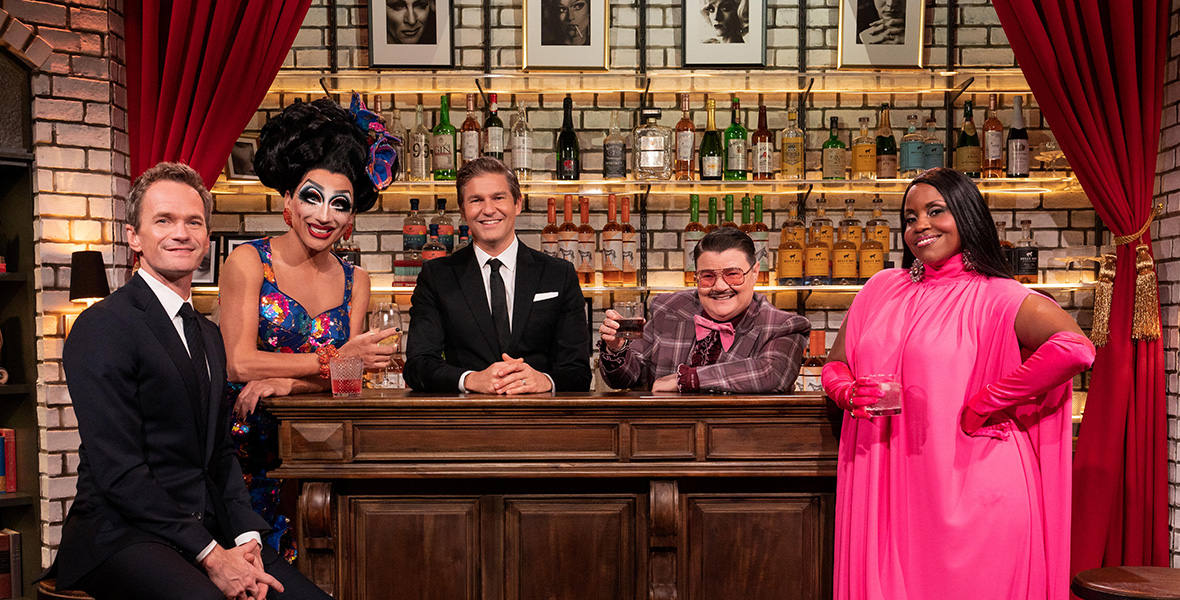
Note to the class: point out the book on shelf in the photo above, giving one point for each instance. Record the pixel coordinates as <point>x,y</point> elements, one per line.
<point>8,460</point>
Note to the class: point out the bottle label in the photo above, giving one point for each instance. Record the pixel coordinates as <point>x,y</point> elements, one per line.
<point>446,236</point>
<point>823,234</point>
<point>844,264</point>
<point>852,233</point>
<point>630,252</point>
<point>790,264</point>
<point>413,237</point>
<point>567,167</point>
<point>935,154</point>
<point>470,145</point>
<point>567,249</point>
<point>614,160</point>
<point>522,152</point>
<point>872,260</point>
<point>691,239</point>
<point>495,140</point>
<point>684,145</point>
<point>432,254</point>
<point>833,160</point>
<point>887,166</point>
<point>792,157</point>
<point>549,246</point>
<point>612,252</point>
<point>1018,158</point>
<point>797,235</point>
<point>711,166</point>
<point>864,158</point>
<point>586,253</point>
<point>968,159</point>
<point>817,261</point>
<point>912,158</point>
<point>735,155</point>
<point>419,156</point>
<point>993,145</point>
<point>762,249</point>
<point>1025,260</point>
<point>651,151</point>
<point>880,234</point>
<point>811,379</point>
<point>764,157</point>
<point>444,152</point>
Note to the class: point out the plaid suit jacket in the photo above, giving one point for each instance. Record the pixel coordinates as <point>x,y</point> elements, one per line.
<point>765,357</point>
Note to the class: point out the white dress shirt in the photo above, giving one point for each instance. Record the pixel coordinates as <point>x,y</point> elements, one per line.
<point>172,303</point>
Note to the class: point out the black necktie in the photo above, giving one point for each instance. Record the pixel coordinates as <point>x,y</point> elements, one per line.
<point>196,350</point>
<point>500,306</point>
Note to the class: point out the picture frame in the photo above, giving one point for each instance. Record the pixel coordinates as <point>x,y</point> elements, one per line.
<point>240,164</point>
<point>411,33</point>
<point>869,40</point>
<point>566,35</point>
<point>206,274</point>
<point>724,33</point>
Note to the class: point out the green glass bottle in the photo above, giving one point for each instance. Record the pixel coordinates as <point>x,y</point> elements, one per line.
<point>736,141</point>
<point>711,154</point>
<point>886,147</point>
<point>968,153</point>
<point>834,160</point>
<point>444,145</point>
<point>569,158</point>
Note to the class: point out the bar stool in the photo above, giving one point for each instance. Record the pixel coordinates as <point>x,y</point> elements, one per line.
<point>1123,583</point>
<point>47,590</point>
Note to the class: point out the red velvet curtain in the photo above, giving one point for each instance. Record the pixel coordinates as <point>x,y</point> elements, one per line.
<point>1097,69</point>
<point>197,70</point>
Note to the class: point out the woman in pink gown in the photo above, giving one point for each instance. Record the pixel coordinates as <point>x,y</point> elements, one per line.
<point>966,493</point>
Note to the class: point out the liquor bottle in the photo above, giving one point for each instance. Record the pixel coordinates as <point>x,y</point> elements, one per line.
<point>933,149</point>
<point>833,154</point>
<point>393,125</point>
<point>419,150</point>
<point>968,154</point>
<point>443,146</point>
<point>746,226</point>
<point>614,151</point>
<point>864,153</point>
<point>569,158</point>
<point>653,147</point>
<point>993,142</point>
<point>469,133</point>
<point>586,247</point>
<point>493,131</point>
<point>712,214</point>
<point>790,252</point>
<point>630,247</point>
<point>549,235</point>
<point>1017,141</point>
<point>871,259</point>
<point>729,222</point>
<point>414,229</point>
<point>736,141</point>
<point>850,227</point>
<point>522,145</point>
<point>760,233</point>
<point>463,239</point>
<point>693,232</point>
<point>817,255</point>
<point>792,148</point>
<point>844,259</point>
<point>811,373</point>
<point>612,246</point>
<point>821,226</point>
<point>1005,245</point>
<point>1025,256</point>
<point>762,142</point>
<point>446,227</point>
<point>711,152</point>
<point>433,248</point>
<point>877,229</point>
<point>793,227</point>
<point>567,235</point>
<point>912,160</point>
<point>886,147</point>
<point>685,141</point>
<point>348,250</point>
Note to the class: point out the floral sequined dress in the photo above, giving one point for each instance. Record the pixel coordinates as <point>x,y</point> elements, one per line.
<point>283,326</point>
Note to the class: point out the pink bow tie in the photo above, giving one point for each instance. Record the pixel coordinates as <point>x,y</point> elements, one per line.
<point>705,325</point>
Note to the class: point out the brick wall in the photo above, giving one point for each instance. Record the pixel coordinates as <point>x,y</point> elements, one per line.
<point>1166,236</point>
<point>80,182</point>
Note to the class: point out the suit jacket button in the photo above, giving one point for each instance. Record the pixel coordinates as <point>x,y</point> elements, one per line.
<point>199,516</point>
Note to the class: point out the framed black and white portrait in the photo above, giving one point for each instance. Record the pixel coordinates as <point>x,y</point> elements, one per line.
<point>567,35</point>
<point>206,274</point>
<point>410,33</point>
<point>724,33</point>
<point>881,33</point>
<point>241,160</point>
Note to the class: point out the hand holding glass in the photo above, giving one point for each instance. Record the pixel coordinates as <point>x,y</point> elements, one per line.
<point>388,316</point>
<point>630,320</point>
<point>890,402</point>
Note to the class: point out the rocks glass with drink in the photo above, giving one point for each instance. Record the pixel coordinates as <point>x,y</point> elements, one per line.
<point>347,374</point>
<point>890,402</point>
<point>386,316</point>
<point>630,320</point>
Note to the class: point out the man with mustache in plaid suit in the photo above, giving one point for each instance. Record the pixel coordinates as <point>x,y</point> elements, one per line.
<point>721,337</point>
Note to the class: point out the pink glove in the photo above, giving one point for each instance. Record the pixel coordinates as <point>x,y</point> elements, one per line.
<point>1062,356</point>
<point>847,392</point>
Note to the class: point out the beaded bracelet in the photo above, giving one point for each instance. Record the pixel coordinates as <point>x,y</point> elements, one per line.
<point>325,355</point>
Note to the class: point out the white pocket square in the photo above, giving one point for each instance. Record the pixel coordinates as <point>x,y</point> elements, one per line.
<point>544,296</point>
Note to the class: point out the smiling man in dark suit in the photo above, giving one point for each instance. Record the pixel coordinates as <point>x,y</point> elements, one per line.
<point>161,510</point>
<point>496,317</point>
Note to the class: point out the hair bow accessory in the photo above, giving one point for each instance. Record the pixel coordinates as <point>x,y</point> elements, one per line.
<point>383,156</point>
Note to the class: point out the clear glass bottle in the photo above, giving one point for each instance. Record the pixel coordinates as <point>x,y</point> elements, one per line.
<point>685,142</point>
<point>549,237</point>
<point>463,238</point>
<point>760,233</point>
<point>433,248</point>
<point>794,228</point>
<point>393,125</point>
<point>522,145</point>
<point>693,232</point>
<point>1017,141</point>
<point>792,148</point>
<point>993,141</point>
<point>469,133</point>
<point>850,227</point>
<point>612,246</point>
<point>933,150</point>
<point>630,247</point>
<point>871,259</point>
<point>420,163</point>
<point>493,130</point>
<point>877,229</point>
<point>790,250</point>
<point>444,146</point>
<point>736,142</point>
<point>912,160</point>
<point>817,255</point>
<point>864,153</point>
<point>567,234</point>
<point>886,147</point>
<point>1026,256</point>
<point>711,153</point>
<point>446,227</point>
<point>834,160</point>
<point>821,228</point>
<point>414,229</point>
<point>586,245</point>
<point>614,151</point>
<point>1005,245</point>
<point>653,147</point>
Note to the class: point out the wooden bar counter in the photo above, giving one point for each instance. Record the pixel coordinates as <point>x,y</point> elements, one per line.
<point>614,496</point>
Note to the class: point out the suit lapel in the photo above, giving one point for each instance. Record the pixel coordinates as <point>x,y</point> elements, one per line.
<point>470,280</point>
<point>528,275</point>
<point>215,354</point>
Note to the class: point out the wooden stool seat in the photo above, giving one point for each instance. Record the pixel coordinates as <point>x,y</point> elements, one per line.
<point>47,590</point>
<point>1121,583</point>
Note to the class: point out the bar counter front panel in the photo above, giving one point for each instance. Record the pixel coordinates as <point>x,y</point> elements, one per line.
<point>614,496</point>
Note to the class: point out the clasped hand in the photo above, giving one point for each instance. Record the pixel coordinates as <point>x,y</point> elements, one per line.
<point>508,376</point>
<point>239,572</point>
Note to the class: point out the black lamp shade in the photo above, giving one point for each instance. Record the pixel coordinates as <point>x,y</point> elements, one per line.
<point>88,276</point>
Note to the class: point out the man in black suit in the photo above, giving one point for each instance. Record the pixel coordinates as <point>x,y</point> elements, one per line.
<point>161,510</point>
<point>497,317</point>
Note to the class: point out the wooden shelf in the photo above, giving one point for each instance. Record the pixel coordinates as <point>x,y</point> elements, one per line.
<point>13,389</point>
<point>13,278</point>
<point>8,500</point>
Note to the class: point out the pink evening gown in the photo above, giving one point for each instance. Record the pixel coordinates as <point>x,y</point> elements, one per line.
<point>924,511</point>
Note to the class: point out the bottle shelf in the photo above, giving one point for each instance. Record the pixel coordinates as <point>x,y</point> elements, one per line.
<point>661,81</point>
<point>592,187</point>
<point>8,499</point>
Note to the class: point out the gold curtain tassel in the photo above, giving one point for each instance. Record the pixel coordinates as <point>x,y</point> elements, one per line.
<point>1145,321</point>
<point>1103,295</point>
